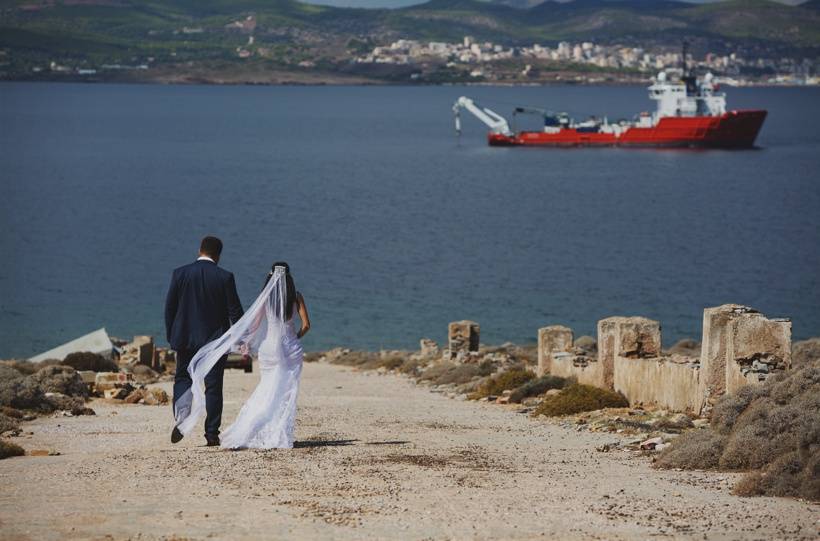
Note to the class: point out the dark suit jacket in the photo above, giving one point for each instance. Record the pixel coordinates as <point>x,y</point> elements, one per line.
<point>202,304</point>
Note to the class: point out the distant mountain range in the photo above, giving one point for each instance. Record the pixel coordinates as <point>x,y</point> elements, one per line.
<point>286,31</point>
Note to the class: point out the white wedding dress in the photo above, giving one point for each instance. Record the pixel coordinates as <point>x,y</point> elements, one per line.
<point>266,420</point>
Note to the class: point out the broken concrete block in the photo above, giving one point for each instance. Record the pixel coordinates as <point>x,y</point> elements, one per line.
<point>116,393</point>
<point>135,396</point>
<point>626,337</point>
<point>145,349</point>
<point>111,380</point>
<point>428,348</point>
<point>462,338</point>
<point>740,346</point>
<point>552,339</point>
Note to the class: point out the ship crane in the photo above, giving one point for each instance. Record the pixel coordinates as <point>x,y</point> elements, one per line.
<point>496,123</point>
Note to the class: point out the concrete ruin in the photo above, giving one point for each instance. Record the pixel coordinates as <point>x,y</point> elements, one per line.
<point>740,346</point>
<point>462,339</point>
<point>96,342</point>
<point>551,340</point>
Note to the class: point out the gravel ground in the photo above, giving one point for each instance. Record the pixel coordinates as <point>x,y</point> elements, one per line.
<point>377,458</point>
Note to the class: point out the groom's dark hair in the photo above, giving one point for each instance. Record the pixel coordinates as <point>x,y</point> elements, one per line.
<point>211,246</point>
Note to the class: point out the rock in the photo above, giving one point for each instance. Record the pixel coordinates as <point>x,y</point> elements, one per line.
<point>428,348</point>
<point>144,374</point>
<point>586,343</point>
<point>159,395</point>
<point>89,376</point>
<point>149,400</point>
<point>700,423</point>
<point>651,443</point>
<point>135,396</point>
<point>117,393</point>
<point>85,360</point>
<point>552,392</point>
<point>503,400</point>
<point>39,452</point>
<point>61,379</point>
<point>111,380</point>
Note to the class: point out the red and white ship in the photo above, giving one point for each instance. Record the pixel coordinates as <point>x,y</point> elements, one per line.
<point>690,113</point>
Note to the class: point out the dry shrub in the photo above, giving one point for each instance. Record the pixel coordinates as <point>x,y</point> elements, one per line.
<point>771,429</point>
<point>505,381</point>
<point>9,373</point>
<point>369,360</point>
<point>312,356</point>
<point>85,360</point>
<point>538,386</point>
<point>412,366</point>
<point>578,398</point>
<point>805,352</point>
<point>695,449</point>
<point>447,373</point>
<point>9,449</point>
<point>8,423</point>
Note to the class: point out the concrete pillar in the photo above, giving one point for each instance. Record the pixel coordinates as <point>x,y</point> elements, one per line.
<point>626,337</point>
<point>713,351</point>
<point>740,346</point>
<point>145,349</point>
<point>462,338</point>
<point>552,339</point>
<point>756,347</point>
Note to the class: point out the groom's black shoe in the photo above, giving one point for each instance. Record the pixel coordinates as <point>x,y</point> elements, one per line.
<point>176,435</point>
<point>213,441</point>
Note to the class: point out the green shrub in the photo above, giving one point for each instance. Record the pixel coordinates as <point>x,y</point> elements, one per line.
<point>9,449</point>
<point>507,380</point>
<point>538,386</point>
<point>578,398</point>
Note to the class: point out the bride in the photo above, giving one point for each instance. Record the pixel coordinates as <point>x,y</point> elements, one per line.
<point>266,420</point>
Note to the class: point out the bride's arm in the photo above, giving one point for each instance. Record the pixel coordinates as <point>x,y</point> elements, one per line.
<point>303,315</point>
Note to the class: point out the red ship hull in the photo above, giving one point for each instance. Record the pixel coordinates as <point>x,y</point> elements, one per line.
<point>735,129</point>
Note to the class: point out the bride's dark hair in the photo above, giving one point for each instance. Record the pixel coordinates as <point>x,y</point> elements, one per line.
<point>290,287</point>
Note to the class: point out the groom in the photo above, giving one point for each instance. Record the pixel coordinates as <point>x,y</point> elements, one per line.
<point>201,305</point>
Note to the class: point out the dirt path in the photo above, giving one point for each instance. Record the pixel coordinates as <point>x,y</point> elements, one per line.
<point>379,458</point>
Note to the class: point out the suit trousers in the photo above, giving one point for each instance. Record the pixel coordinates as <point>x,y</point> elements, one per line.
<point>213,389</point>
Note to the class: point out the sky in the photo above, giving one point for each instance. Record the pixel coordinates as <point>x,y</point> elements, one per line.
<point>402,3</point>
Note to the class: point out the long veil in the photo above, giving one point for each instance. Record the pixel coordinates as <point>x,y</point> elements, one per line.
<point>266,316</point>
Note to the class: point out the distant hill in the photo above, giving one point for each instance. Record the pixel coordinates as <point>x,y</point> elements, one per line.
<point>286,32</point>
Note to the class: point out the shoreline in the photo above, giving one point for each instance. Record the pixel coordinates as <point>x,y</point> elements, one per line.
<point>340,82</point>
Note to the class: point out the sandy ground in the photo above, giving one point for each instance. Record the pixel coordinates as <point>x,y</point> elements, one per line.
<point>378,458</point>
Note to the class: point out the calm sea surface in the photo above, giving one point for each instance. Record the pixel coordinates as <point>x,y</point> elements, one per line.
<point>391,226</point>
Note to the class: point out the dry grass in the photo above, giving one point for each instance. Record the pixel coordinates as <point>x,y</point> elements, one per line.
<point>773,430</point>
<point>447,373</point>
<point>538,386</point>
<point>578,398</point>
<point>9,449</point>
<point>505,381</point>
